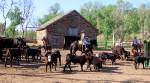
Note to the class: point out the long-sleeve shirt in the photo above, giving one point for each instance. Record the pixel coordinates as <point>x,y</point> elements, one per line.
<point>135,41</point>
<point>86,41</point>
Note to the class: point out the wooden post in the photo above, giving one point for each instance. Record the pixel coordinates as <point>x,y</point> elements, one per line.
<point>113,38</point>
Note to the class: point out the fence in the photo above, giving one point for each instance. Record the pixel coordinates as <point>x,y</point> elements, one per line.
<point>101,45</point>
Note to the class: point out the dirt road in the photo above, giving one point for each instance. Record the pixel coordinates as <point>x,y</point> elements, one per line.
<point>121,72</point>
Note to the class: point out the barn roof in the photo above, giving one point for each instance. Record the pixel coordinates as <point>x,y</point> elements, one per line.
<point>44,26</point>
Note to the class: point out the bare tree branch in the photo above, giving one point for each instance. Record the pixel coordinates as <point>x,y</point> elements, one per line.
<point>5,8</point>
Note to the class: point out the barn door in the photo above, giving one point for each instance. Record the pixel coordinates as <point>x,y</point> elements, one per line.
<point>68,40</point>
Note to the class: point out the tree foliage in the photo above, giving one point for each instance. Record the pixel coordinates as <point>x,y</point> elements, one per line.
<point>54,11</point>
<point>15,17</point>
<point>121,18</point>
<point>5,7</point>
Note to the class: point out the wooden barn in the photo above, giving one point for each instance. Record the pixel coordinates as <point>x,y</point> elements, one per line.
<point>63,30</point>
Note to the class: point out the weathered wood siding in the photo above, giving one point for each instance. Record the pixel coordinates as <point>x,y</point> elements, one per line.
<point>40,35</point>
<point>59,29</point>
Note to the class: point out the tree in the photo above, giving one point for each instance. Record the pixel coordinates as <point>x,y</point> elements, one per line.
<point>119,16</point>
<point>1,28</point>
<point>131,22</point>
<point>26,9</point>
<point>15,17</point>
<point>53,12</point>
<point>5,8</point>
<point>106,21</point>
<point>89,10</point>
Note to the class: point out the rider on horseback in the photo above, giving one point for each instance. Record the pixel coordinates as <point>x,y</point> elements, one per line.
<point>135,43</point>
<point>45,43</point>
<point>86,43</point>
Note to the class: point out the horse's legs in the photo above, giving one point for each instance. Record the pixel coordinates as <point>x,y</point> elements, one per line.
<point>18,60</point>
<point>6,58</point>
<point>40,57</point>
<point>46,66</point>
<point>55,65</point>
<point>101,64</point>
<point>11,60</point>
<point>81,67</point>
<point>33,57</point>
<point>113,60</point>
<point>60,60</point>
<point>26,57</point>
<point>143,65</point>
<point>50,66</point>
<point>138,65</point>
<point>88,66</point>
<point>1,54</point>
<point>135,65</point>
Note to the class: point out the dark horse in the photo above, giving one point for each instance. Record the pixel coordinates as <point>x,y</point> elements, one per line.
<point>76,46</point>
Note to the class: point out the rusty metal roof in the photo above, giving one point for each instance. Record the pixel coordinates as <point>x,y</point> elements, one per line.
<point>44,26</point>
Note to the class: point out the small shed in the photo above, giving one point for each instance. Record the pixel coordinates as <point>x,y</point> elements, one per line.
<point>63,30</point>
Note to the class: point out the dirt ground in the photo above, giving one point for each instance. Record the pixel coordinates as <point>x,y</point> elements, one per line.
<point>121,72</point>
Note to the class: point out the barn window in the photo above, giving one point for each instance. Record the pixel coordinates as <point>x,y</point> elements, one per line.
<point>73,31</point>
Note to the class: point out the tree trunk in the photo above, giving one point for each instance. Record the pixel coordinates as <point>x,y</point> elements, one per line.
<point>113,38</point>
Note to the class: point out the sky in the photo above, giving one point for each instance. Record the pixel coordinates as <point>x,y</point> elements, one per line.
<point>41,7</point>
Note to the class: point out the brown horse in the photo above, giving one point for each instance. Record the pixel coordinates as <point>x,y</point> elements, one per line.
<point>136,53</point>
<point>138,47</point>
<point>76,46</point>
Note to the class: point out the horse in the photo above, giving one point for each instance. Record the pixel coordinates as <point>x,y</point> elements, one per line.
<point>138,47</point>
<point>76,46</point>
<point>135,52</point>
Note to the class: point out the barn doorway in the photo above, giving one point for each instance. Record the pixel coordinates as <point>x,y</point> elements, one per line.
<point>68,40</point>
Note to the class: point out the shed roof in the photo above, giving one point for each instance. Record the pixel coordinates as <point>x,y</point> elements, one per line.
<point>57,18</point>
